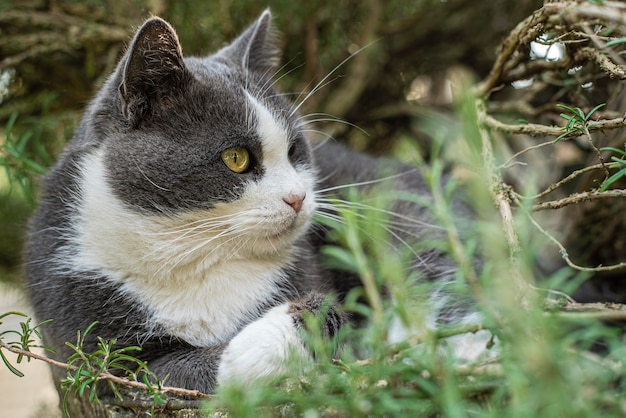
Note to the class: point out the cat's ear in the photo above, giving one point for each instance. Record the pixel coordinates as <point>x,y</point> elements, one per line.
<point>152,67</point>
<point>256,49</point>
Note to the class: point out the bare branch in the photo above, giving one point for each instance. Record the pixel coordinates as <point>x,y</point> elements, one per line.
<point>566,180</point>
<point>565,255</point>
<point>609,67</point>
<point>579,198</point>
<point>501,197</point>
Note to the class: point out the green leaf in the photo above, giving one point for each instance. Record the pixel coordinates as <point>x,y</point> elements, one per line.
<point>612,180</point>
<point>343,256</point>
<point>10,123</point>
<point>614,42</point>
<point>592,111</point>
<point>4,315</point>
<point>11,368</point>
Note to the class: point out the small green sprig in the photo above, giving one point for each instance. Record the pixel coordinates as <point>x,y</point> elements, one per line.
<point>577,121</point>
<point>86,370</point>
<point>619,163</point>
<point>25,342</point>
<point>18,166</point>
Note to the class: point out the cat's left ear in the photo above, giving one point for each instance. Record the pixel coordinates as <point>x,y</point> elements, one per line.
<point>151,69</point>
<point>256,49</point>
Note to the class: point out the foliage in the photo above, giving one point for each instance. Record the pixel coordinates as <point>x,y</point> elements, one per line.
<point>86,370</point>
<point>26,335</point>
<point>17,163</point>
<point>577,121</point>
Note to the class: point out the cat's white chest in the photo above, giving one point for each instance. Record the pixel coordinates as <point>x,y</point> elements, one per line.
<point>210,306</point>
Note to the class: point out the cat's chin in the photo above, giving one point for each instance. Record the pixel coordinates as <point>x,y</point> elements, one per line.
<point>281,237</point>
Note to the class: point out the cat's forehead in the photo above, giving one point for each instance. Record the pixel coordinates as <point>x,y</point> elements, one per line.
<point>226,88</point>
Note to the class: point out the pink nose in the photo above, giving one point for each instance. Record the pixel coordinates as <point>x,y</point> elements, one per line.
<point>295,201</point>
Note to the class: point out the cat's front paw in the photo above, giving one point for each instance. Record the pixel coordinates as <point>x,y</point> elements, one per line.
<point>272,345</point>
<point>331,317</point>
<point>264,348</point>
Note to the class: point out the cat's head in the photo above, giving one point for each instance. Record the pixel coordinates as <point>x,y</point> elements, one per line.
<point>203,138</point>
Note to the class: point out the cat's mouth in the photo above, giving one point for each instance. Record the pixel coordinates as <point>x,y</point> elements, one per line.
<point>283,231</point>
<point>287,229</point>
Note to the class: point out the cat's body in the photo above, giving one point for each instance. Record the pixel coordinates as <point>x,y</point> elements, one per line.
<point>179,217</point>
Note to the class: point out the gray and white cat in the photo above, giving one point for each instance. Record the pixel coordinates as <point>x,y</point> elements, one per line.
<point>180,215</point>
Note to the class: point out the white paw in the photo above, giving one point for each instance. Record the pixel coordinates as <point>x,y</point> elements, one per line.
<point>471,347</point>
<point>465,348</point>
<point>267,347</point>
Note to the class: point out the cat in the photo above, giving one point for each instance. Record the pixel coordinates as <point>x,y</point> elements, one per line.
<point>180,216</point>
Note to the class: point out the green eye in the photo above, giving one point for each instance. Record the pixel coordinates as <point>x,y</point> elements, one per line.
<point>237,159</point>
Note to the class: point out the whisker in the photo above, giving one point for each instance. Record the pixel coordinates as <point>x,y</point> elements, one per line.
<point>323,82</point>
<point>328,118</point>
<point>366,183</point>
<point>346,204</point>
<point>231,234</point>
<point>272,81</point>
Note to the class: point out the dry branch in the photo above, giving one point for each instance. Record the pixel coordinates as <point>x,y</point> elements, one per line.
<point>579,198</point>
<point>568,23</point>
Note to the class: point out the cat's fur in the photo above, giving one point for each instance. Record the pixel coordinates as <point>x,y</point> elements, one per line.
<point>143,228</point>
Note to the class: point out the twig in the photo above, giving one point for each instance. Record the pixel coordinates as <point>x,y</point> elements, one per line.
<point>578,198</point>
<point>609,67</point>
<point>565,255</point>
<point>567,179</point>
<point>509,162</point>
<point>610,11</point>
<point>508,47</point>
<point>106,376</point>
<point>595,311</point>
<point>501,197</point>
<point>534,129</point>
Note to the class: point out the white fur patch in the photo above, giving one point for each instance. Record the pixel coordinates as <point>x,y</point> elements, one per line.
<point>264,348</point>
<point>465,348</point>
<point>471,347</point>
<point>281,179</point>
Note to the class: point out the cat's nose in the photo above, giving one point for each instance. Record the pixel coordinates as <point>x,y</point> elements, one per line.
<point>295,201</point>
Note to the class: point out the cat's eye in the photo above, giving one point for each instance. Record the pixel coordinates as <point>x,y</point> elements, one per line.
<point>237,159</point>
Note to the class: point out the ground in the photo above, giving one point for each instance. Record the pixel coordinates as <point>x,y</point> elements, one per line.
<point>31,396</point>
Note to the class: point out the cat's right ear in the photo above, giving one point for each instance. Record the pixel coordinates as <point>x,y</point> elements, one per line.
<point>152,68</point>
<point>255,49</point>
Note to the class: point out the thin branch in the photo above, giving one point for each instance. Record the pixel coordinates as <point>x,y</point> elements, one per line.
<point>610,11</point>
<point>579,198</point>
<point>106,376</point>
<point>564,181</point>
<point>534,129</point>
<point>527,69</point>
<point>511,160</point>
<point>531,24</point>
<point>609,67</point>
<point>501,197</point>
<point>565,255</point>
<point>596,311</point>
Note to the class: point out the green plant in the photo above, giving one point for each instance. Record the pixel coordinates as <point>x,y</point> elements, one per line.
<point>86,370</point>
<point>18,166</point>
<point>619,163</point>
<point>577,121</point>
<point>24,343</point>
